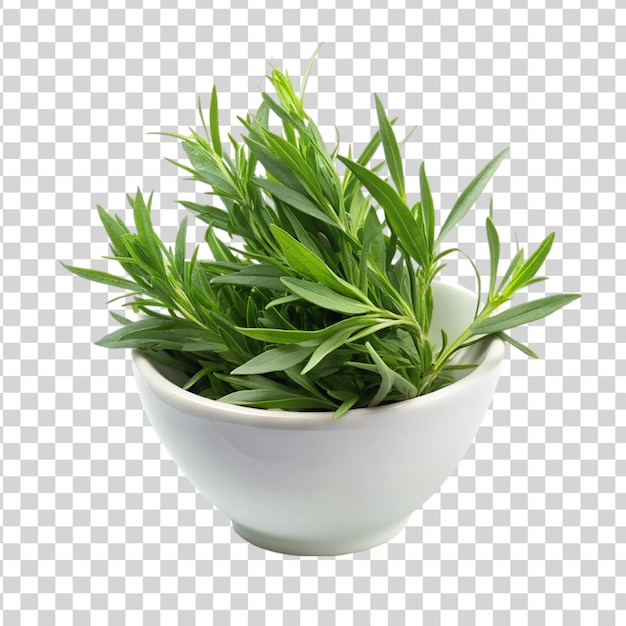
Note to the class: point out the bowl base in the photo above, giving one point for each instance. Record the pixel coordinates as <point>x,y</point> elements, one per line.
<point>318,547</point>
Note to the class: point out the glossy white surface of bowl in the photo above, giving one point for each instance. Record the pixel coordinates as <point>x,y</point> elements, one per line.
<point>305,483</point>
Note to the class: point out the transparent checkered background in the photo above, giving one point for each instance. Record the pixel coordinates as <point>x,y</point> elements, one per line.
<point>97,524</point>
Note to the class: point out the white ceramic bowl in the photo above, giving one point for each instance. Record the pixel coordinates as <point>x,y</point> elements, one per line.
<point>307,484</point>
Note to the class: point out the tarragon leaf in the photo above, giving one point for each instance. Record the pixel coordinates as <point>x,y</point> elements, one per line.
<point>390,146</point>
<point>399,216</point>
<point>276,359</point>
<point>274,399</point>
<point>526,272</point>
<point>325,297</point>
<point>150,240</point>
<point>311,266</point>
<point>296,200</point>
<point>284,336</point>
<point>273,164</point>
<point>494,254</point>
<point>336,340</point>
<point>105,278</point>
<point>520,346</point>
<point>386,379</point>
<point>207,213</point>
<point>257,275</point>
<point>470,195</point>
<point>181,242</point>
<point>522,314</point>
<point>215,124</point>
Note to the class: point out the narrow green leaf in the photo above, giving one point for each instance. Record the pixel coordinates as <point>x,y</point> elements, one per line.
<point>494,254</point>
<point>190,266</point>
<point>469,196</point>
<point>365,157</point>
<point>304,233</point>
<point>199,375</point>
<point>313,136</point>
<point>307,71</point>
<point>252,312</point>
<point>522,314</point>
<point>520,346</point>
<point>218,248</point>
<point>527,271</point>
<point>329,180</point>
<point>274,165</point>
<point>120,318</point>
<point>302,259</point>
<point>344,335</point>
<point>285,336</point>
<point>262,118</point>
<point>336,340</point>
<point>206,166</point>
<point>537,279</point>
<point>276,359</point>
<point>400,277</point>
<point>292,159</point>
<point>460,366</point>
<point>279,335</point>
<point>308,264</point>
<point>325,297</point>
<point>253,381</point>
<point>366,367</point>
<point>282,300</point>
<point>350,400</point>
<point>294,199</point>
<point>350,182</point>
<point>374,240</point>
<point>285,91</point>
<point>428,208</point>
<point>104,277</point>
<point>335,152</point>
<point>375,328</point>
<point>181,243</point>
<point>386,380</point>
<point>149,239</point>
<point>207,213</point>
<point>283,114</point>
<point>115,230</point>
<point>398,214</point>
<point>370,150</point>
<point>201,346</point>
<point>162,333</point>
<point>444,340</point>
<point>273,399</point>
<point>176,360</point>
<point>182,166</point>
<point>215,123</point>
<point>471,262</point>
<point>358,208</point>
<point>426,355</point>
<point>258,275</point>
<point>204,126</point>
<point>305,382</point>
<point>165,134</point>
<point>390,146</point>
<point>364,268</point>
<point>516,261</point>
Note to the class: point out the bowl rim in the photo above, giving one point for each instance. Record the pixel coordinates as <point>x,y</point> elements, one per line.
<point>197,405</point>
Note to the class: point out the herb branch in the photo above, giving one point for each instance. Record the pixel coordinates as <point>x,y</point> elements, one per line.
<point>324,306</point>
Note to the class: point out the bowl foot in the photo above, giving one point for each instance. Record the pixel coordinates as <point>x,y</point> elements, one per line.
<point>328,546</point>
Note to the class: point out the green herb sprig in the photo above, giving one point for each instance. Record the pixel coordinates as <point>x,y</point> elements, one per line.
<point>323,305</point>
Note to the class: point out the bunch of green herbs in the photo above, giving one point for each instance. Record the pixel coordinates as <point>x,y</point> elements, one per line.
<point>321,297</point>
